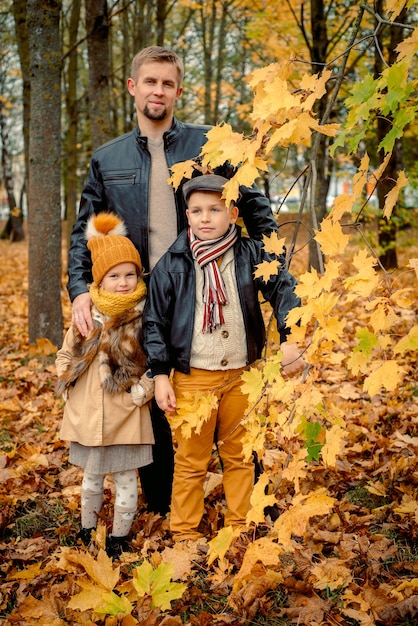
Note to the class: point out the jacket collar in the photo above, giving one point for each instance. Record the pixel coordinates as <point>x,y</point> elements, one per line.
<point>168,136</point>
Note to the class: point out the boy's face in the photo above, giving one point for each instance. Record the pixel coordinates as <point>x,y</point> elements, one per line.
<point>208,216</point>
<point>122,278</point>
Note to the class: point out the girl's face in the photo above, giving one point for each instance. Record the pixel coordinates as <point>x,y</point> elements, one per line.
<point>122,278</point>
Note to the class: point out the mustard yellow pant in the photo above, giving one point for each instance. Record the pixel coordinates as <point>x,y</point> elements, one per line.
<point>193,455</point>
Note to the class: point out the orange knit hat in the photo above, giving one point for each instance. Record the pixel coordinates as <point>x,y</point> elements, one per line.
<point>109,245</point>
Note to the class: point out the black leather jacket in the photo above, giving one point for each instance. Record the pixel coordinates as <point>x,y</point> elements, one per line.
<point>118,181</point>
<point>168,318</point>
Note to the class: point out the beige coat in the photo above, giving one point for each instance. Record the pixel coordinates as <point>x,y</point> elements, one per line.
<point>94,417</point>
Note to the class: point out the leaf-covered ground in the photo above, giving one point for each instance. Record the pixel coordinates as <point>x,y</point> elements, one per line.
<point>353,563</point>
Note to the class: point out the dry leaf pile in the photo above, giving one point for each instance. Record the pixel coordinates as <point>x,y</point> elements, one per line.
<point>342,551</point>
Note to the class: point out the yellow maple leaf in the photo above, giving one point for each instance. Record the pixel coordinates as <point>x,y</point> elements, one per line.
<point>342,204</point>
<point>393,195</point>
<point>100,570</point>
<point>296,519</point>
<point>253,439</point>
<point>90,596</point>
<point>296,469</point>
<point>378,173</point>
<point>322,306</point>
<point>387,374</point>
<point>192,410</point>
<point>331,237</point>
<point>408,343</point>
<point>266,269</point>
<point>273,244</point>
<point>311,284</point>
<point>280,417</point>
<point>264,551</point>
<point>408,47</point>
<point>181,170</point>
<point>383,315</point>
<point>333,446</point>
<point>223,144</point>
<point>366,279</point>
<point>43,612</point>
<point>220,545</point>
<point>331,574</point>
<point>358,363</point>
<point>315,86</point>
<point>259,500</point>
<point>253,384</point>
<point>408,506</point>
<point>394,7</point>
<point>270,97</point>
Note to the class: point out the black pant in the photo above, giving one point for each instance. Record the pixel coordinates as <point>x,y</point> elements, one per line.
<point>157,478</point>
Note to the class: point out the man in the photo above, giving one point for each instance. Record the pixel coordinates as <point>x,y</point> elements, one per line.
<point>128,176</point>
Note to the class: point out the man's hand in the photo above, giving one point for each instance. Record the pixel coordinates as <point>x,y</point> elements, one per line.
<point>81,314</point>
<point>292,362</point>
<point>164,393</point>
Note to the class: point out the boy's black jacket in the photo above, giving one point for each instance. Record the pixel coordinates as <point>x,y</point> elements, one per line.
<point>168,318</point>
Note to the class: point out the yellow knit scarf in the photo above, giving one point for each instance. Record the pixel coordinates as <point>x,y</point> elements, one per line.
<point>110,303</point>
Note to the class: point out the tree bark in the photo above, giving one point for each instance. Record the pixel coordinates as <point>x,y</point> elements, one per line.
<point>13,229</point>
<point>21,31</point>
<point>97,27</point>
<point>71,152</point>
<point>319,51</point>
<point>44,206</point>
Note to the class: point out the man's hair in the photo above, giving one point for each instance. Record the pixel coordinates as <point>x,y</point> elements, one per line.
<point>158,54</point>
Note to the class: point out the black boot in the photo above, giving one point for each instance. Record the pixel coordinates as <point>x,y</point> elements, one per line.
<point>85,535</point>
<point>115,546</point>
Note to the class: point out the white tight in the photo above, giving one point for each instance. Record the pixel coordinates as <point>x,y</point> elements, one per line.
<point>125,502</point>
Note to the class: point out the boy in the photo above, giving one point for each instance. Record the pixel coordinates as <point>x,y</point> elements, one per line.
<point>203,319</point>
<point>102,377</point>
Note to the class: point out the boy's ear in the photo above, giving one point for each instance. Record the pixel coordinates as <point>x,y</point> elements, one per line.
<point>234,213</point>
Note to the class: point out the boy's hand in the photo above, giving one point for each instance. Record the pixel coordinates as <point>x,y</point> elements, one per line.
<point>164,394</point>
<point>292,362</point>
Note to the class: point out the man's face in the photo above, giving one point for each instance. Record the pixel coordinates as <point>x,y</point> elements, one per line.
<point>156,90</point>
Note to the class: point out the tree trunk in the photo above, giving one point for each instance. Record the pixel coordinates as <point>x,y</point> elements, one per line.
<point>44,206</point>
<point>21,30</point>
<point>71,152</point>
<point>97,27</point>
<point>318,50</point>
<point>14,226</point>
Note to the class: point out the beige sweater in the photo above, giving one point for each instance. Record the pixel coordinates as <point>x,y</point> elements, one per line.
<point>226,347</point>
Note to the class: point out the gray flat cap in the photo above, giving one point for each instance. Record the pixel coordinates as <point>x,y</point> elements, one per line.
<point>206,182</point>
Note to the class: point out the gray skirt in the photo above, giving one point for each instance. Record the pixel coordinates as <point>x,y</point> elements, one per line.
<point>109,459</point>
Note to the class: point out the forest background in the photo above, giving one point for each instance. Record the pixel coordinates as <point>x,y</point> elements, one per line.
<point>300,93</point>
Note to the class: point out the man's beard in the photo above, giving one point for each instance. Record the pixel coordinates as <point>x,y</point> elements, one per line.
<point>158,116</point>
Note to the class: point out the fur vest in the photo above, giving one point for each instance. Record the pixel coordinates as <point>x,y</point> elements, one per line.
<point>116,342</point>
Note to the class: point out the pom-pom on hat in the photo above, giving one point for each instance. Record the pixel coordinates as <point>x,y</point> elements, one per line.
<point>205,182</point>
<point>109,245</point>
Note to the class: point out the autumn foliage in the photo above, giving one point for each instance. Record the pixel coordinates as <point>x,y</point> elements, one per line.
<point>332,530</point>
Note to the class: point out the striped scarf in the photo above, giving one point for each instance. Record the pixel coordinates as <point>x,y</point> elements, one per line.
<point>214,293</point>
